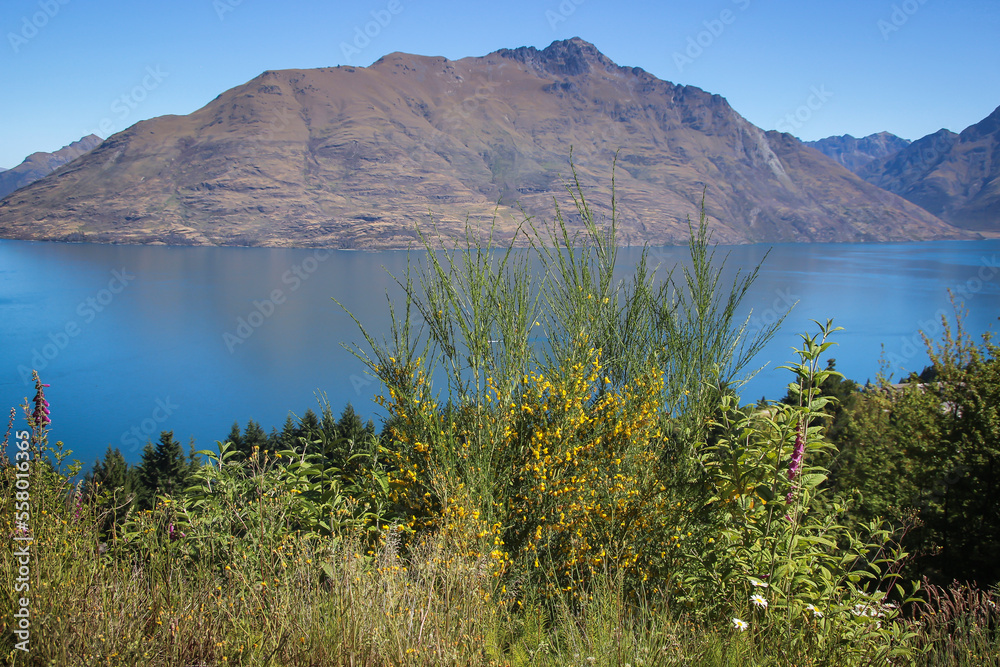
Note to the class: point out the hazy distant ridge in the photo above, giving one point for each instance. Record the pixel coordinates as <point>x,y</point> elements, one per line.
<point>856,153</point>
<point>953,176</point>
<point>40,164</point>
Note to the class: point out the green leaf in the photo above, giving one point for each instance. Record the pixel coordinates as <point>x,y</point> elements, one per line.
<point>812,480</point>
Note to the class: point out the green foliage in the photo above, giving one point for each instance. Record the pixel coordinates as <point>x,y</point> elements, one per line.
<point>237,510</point>
<point>585,488</point>
<point>164,470</point>
<point>931,452</point>
<point>843,394</point>
<point>619,447</point>
<point>566,454</point>
<point>112,488</point>
<point>773,550</point>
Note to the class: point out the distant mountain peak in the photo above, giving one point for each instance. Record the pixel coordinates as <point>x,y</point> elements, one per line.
<point>854,153</point>
<point>954,176</point>
<point>40,164</point>
<point>987,126</point>
<point>567,57</point>
<point>359,156</point>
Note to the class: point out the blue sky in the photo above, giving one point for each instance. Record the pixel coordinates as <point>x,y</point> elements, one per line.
<point>813,68</point>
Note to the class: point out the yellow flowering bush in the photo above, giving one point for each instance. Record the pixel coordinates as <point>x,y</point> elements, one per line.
<point>576,466</point>
<point>585,482</point>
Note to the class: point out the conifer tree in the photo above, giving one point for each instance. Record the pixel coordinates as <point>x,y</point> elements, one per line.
<point>164,470</point>
<point>286,438</point>
<point>110,473</point>
<point>235,437</point>
<point>254,436</point>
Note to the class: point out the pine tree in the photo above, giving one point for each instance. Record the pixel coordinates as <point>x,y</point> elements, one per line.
<point>236,438</point>
<point>350,426</point>
<point>286,438</point>
<point>254,436</point>
<point>111,473</point>
<point>310,430</point>
<point>350,436</point>
<point>164,470</point>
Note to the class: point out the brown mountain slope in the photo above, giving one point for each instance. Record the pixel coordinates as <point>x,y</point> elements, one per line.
<point>356,157</point>
<point>41,164</point>
<point>954,176</point>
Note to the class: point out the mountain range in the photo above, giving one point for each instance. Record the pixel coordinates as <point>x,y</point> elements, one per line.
<point>857,153</point>
<point>954,176</point>
<point>39,165</point>
<point>357,157</point>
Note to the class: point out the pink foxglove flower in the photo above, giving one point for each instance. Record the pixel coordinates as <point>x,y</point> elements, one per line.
<point>795,466</point>
<point>41,412</point>
<point>800,446</point>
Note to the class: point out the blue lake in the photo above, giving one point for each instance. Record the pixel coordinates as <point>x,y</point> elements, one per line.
<point>135,340</point>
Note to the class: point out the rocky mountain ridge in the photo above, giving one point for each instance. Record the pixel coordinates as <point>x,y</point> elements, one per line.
<point>40,164</point>
<point>954,176</point>
<point>357,157</point>
<point>856,153</point>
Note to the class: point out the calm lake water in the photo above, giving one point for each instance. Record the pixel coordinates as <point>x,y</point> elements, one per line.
<point>135,340</point>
